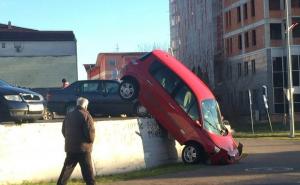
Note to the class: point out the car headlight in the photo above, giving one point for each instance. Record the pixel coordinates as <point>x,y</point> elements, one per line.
<point>13,98</point>
<point>217,149</point>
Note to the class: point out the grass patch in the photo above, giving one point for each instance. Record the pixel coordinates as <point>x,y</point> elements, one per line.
<point>151,172</point>
<point>262,129</point>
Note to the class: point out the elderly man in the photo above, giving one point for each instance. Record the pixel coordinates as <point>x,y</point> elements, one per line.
<point>79,132</point>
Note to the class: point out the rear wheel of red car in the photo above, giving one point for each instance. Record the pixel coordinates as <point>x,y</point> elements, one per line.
<point>192,154</point>
<point>128,89</point>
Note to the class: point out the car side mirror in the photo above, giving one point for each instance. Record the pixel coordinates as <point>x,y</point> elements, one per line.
<point>226,122</point>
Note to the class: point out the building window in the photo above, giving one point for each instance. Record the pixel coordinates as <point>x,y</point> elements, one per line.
<point>240,42</point>
<point>296,29</point>
<point>274,4</point>
<point>253,66</point>
<point>295,3</point>
<point>246,68</point>
<point>3,44</point>
<point>246,40</point>
<point>252,2</point>
<point>239,69</point>
<point>245,11</point>
<point>229,17</point>
<point>275,31</point>
<point>253,37</point>
<point>238,10</point>
<point>241,95</point>
<point>229,72</point>
<point>230,44</point>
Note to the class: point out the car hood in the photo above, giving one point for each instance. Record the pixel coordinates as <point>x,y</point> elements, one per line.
<point>15,90</point>
<point>225,142</point>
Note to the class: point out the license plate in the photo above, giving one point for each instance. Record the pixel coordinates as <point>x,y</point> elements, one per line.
<point>36,107</point>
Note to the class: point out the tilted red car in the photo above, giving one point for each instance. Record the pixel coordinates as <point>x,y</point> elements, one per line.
<point>183,105</point>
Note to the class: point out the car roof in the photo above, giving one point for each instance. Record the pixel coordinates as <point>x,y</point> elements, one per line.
<point>195,83</point>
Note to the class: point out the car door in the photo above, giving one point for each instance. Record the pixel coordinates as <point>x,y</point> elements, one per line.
<point>162,83</point>
<point>93,91</point>
<point>113,103</point>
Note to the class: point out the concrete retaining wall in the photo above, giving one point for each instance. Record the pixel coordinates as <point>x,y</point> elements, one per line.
<point>35,152</point>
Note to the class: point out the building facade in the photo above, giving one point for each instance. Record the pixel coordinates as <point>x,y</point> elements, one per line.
<point>196,36</point>
<point>253,54</point>
<point>37,59</point>
<point>109,65</point>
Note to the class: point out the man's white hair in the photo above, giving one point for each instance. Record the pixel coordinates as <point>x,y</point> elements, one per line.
<point>82,102</point>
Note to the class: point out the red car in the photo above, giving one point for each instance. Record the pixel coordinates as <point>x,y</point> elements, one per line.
<point>183,105</point>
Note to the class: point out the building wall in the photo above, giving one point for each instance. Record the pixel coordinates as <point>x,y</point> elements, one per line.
<point>109,65</point>
<point>38,64</point>
<point>38,72</point>
<point>37,154</point>
<point>194,35</point>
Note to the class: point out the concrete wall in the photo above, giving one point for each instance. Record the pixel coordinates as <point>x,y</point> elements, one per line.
<point>35,152</point>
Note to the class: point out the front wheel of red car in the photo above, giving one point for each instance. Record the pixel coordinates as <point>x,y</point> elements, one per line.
<point>192,154</point>
<point>128,89</point>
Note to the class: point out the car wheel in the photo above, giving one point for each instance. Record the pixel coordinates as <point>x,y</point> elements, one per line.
<point>128,90</point>
<point>70,108</point>
<point>192,154</point>
<point>47,115</point>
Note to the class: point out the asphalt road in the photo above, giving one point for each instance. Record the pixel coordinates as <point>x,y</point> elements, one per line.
<point>269,162</point>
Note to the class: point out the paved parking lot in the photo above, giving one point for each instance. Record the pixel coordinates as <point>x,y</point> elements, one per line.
<point>269,161</point>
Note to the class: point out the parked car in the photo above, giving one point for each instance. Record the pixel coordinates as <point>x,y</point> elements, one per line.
<point>183,105</point>
<point>19,104</point>
<point>103,96</point>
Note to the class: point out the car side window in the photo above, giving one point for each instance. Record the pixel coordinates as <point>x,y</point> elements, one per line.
<point>167,79</point>
<point>91,87</point>
<point>187,101</point>
<point>112,87</point>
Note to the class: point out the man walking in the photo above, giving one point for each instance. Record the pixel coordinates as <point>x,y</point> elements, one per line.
<point>79,132</point>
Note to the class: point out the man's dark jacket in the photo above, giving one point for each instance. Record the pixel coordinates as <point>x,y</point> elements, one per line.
<point>79,131</point>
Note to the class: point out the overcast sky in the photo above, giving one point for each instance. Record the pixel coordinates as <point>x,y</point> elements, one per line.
<point>98,25</point>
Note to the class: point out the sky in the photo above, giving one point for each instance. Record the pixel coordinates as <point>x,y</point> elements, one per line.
<point>98,25</point>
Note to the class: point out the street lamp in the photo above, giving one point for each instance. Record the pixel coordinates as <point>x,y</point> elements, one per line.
<point>289,67</point>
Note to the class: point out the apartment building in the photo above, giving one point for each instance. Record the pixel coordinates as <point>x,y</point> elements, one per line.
<point>109,65</point>
<point>253,36</point>
<point>255,54</point>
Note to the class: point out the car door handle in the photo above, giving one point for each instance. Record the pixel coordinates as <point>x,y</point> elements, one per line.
<point>150,83</point>
<point>172,106</point>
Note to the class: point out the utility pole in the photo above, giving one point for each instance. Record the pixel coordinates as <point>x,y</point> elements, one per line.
<point>289,67</point>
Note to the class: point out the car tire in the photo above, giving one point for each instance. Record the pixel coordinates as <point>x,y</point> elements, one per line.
<point>193,153</point>
<point>128,90</point>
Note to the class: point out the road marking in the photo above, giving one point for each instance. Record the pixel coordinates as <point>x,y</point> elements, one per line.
<point>269,169</point>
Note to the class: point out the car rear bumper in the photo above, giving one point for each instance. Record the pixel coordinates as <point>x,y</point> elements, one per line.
<point>225,157</point>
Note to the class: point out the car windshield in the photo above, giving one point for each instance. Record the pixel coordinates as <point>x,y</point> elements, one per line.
<point>3,83</point>
<point>212,116</point>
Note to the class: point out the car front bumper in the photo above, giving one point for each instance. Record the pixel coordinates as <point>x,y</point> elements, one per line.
<point>24,110</point>
<point>225,157</point>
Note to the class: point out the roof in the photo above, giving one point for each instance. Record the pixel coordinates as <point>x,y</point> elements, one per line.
<point>13,33</point>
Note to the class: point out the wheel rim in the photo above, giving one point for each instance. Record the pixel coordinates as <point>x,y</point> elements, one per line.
<point>127,90</point>
<point>190,154</point>
<point>47,115</point>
